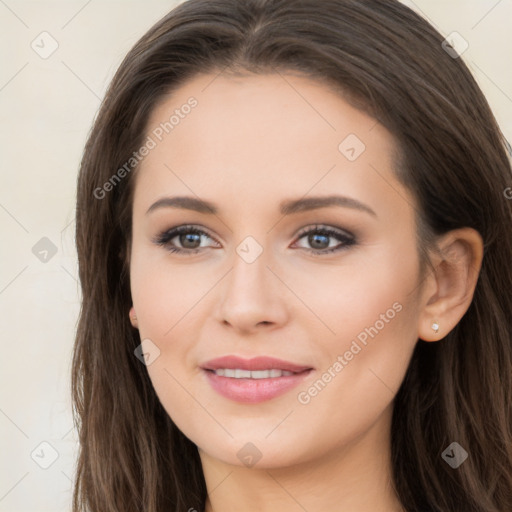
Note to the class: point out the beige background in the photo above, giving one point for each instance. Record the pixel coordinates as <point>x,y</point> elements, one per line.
<point>47,106</point>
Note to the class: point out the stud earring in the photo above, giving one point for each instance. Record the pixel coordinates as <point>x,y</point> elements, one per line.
<point>435,326</point>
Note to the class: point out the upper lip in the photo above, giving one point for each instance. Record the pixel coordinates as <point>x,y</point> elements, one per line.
<point>254,364</point>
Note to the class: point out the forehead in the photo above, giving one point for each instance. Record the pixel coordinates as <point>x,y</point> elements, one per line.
<point>274,109</point>
<point>264,136</point>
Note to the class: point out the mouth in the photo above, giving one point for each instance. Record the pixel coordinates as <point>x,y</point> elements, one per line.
<point>253,380</point>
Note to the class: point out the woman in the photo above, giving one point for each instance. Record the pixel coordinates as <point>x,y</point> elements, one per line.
<point>294,243</point>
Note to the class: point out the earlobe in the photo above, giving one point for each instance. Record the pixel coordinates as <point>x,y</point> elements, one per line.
<point>432,332</point>
<point>133,318</point>
<point>453,282</point>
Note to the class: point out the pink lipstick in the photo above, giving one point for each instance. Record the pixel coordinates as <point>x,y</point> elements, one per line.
<point>253,380</point>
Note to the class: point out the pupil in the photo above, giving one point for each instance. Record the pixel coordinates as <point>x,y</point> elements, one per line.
<point>189,237</point>
<point>319,244</point>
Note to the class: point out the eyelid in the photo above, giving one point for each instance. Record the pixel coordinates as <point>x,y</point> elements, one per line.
<point>324,227</point>
<point>177,230</point>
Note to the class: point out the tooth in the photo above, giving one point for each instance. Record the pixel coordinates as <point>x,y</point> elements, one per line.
<point>237,373</point>
<point>260,374</point>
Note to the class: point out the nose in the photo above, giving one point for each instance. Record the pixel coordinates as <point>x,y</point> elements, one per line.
<point>251,296</point>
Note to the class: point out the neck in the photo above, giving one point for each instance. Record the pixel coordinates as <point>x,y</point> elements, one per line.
<point>355,477</point>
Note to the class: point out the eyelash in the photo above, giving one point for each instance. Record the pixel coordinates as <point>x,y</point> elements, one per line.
<point>346,239</point>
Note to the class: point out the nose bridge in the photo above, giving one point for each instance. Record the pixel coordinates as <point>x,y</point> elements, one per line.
<point>249,275</point>
<point>249,296</point>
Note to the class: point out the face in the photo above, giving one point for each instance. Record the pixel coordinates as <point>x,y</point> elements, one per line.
<point>270,268</point>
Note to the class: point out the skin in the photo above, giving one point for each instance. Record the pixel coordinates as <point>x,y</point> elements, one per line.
<point>252,142</point>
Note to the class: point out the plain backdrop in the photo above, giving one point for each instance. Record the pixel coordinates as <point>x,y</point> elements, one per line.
<point>57,57</point>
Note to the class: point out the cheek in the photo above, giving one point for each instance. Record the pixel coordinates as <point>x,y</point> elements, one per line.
<point>165,298</point>
<point>365,363</point>
<point>376,330</point>
<point>371,310</point>
<point>164,294</point>
<point>367,290</point>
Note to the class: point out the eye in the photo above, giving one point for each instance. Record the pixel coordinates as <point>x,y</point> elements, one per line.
<point>320,239</point>
<point>188,237</point>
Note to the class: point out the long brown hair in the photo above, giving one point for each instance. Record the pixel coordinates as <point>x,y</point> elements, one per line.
<point>390,63</point>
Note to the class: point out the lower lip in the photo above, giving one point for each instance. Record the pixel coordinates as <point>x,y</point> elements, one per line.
<point>252,391</point>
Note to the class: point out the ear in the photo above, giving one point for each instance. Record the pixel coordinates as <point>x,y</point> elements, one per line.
<point>133,318</point>
<point>450,287</point>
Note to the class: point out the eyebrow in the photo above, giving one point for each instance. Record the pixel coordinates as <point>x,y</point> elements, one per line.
<point>286,207</point>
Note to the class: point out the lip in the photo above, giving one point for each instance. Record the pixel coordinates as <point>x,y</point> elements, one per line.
<point>251,391</point>
<point>254,364</point>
